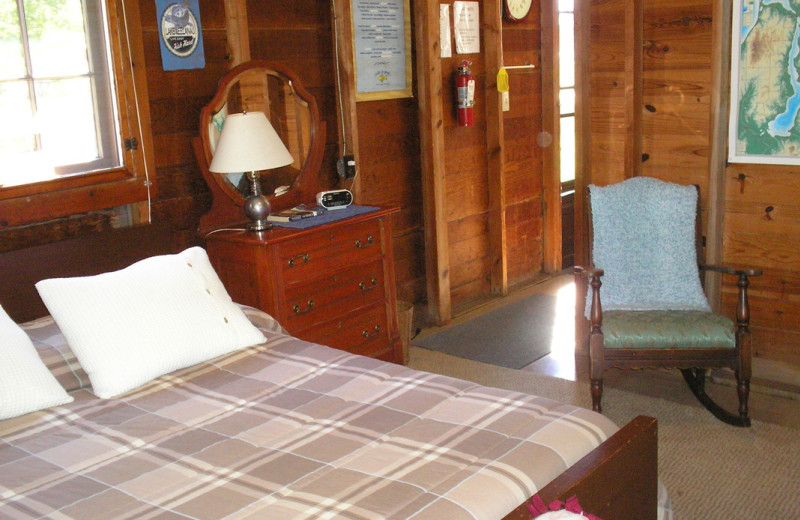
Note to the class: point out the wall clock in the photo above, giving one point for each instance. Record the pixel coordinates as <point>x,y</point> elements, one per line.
<point>516,10</point>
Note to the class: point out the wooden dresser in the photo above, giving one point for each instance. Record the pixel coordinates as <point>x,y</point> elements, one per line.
<point>331,284</point>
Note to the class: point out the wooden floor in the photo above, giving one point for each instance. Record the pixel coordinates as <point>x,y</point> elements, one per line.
<point>775,388</point>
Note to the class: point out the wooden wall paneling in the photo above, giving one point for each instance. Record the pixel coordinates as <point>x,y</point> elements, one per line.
<point>466,179</point>
<point>237,30</point>
<point>583,129</point>
<point>176,99</point>
<point>633,87</point>
<point>606,75</point>
<point>431,118</point>
<point>389,173</point>
<point>300,34</point>
<point>676,91</point>
<point>498,244</point>
<point>717,159</point>
<point>526,225</point>
<point>551,156</point>
<point>347,129</point>
<point>523,148</point>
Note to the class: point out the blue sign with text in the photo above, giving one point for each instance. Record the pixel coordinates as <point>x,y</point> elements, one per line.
<point>181,35</point>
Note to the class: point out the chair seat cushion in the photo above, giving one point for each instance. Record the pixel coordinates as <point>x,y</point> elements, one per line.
<point>667,329</point>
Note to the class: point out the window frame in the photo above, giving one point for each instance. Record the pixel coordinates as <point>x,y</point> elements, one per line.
<point>128,184</point>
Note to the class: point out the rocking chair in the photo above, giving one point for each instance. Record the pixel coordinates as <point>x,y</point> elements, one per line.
<point>654,314</point>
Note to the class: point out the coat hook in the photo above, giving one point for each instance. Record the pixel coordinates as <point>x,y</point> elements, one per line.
<point>741,178</point>
<point>767,212</point>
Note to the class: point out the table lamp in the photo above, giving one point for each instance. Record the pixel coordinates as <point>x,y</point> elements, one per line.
<point>248,143</point>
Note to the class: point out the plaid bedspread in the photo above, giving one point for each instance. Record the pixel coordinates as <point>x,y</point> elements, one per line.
<point>291,429</point>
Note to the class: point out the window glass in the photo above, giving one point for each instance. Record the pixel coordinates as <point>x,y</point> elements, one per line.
<point>566,101</point>
<point>10,42</point>
<point>56,38</point>
<point>566,49</point>
<point>57,92</point>
<point>567,140</point>
<point>566,5</point>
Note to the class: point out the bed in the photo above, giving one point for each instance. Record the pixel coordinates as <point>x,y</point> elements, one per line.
<point>290,429</point>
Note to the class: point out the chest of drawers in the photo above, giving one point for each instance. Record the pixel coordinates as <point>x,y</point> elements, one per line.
<point>332,284</point>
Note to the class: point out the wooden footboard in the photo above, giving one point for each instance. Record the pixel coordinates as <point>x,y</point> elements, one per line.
<point>616,481</point>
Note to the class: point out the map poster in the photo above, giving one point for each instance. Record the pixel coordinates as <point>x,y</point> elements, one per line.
<point>765,85</point>
<point>382,46</point>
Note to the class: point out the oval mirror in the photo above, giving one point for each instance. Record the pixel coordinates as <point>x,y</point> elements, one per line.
<point>261,86</point>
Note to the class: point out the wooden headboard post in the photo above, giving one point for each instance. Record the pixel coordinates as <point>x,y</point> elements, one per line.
<point>82,256</point>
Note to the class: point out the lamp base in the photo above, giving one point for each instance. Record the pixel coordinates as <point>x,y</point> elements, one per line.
<point>257,206</point>
<point>259,225</point>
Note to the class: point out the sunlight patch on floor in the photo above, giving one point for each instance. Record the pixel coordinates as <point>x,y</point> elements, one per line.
<point>561,360</point>
<point>562,346</point>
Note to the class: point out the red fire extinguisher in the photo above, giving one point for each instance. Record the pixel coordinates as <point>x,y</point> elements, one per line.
<point>465,94</point>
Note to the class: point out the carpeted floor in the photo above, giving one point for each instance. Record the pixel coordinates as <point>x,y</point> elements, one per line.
<point>711,470</point>
<point>527,326</point>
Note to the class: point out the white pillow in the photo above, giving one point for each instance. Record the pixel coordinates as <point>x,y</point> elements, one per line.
<point>163,313</point>
<point>25,383</point>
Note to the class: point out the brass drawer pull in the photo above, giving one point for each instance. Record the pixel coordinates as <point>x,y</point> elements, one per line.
<point>366,333</point>
<point>297,309</point>
<point>363,285</point>
<point>303,256</point>
<point>370,241</point>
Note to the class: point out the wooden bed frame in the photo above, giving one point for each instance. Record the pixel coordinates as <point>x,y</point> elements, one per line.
<point>616,481</point>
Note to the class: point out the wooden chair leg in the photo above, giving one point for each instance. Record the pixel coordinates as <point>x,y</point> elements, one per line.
<point>597,395</point>
<point>743,389</point>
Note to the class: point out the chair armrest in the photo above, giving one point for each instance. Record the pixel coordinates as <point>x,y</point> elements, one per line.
<point>588,272</point>
<point>742,305</point>
<point>737,271</point>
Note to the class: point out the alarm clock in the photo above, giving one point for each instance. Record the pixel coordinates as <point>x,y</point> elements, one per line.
<point>334,199</point>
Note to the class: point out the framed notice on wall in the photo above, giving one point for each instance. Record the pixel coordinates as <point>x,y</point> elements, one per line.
<point>382,48</point>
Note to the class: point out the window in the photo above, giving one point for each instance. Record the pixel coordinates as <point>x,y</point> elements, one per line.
<point>72,108</point>
<point>566,83</point>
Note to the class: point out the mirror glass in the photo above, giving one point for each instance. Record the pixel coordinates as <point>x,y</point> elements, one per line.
<point>265,90</point>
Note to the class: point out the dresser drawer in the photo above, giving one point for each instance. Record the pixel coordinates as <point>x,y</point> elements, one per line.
<point>327,249</point>
<point>364,332</point>
<point>312,301</point>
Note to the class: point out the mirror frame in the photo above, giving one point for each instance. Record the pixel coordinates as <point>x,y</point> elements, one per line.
<point>226,202</point>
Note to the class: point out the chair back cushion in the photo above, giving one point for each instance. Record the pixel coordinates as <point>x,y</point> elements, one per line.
<point>644,239</point>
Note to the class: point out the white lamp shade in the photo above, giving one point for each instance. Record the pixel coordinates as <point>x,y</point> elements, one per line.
<point>249,143</point>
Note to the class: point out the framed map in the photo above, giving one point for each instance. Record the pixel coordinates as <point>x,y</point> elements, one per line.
<point>765,85</point>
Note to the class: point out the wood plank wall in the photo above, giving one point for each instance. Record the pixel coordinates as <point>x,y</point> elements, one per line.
<point>176,98</point>
<point>299,35</point>
<point>523,153</point>
<point>467,201</point>
<point>762,212</point>
<point>390,161</point>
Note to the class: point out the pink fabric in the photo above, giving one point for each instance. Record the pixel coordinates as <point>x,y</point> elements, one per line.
<point>537,507</point>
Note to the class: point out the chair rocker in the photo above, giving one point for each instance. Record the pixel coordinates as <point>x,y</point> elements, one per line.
<point>645,245</point>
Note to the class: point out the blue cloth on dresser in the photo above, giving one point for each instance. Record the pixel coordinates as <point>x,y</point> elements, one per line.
<point>644,240</point>
<point>328,216</point>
